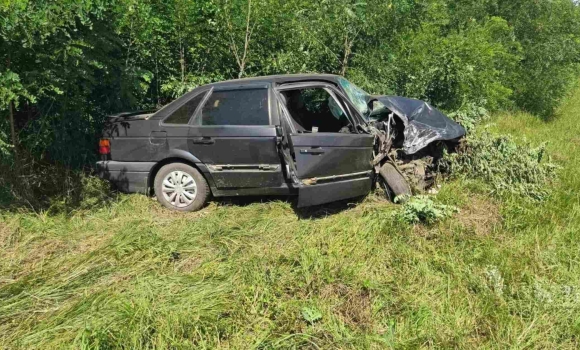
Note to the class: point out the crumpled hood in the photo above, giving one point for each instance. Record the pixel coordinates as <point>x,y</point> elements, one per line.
<point>423,123</point>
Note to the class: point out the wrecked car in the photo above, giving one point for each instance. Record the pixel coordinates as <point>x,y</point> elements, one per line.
<point>318,137</point>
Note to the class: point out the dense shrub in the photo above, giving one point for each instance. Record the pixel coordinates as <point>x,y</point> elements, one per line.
<point>472,65</point>
<point>505,165</point>
<point>548,32</point>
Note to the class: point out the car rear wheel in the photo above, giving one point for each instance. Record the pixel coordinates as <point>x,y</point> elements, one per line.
<point>181,187</point>
<point>396,183</point>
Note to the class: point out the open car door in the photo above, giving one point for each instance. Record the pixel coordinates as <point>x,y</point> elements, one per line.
<point>332,167</point>
<point>328,165</point>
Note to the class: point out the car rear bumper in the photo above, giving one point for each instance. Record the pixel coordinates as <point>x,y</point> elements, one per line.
<point>126,176</point>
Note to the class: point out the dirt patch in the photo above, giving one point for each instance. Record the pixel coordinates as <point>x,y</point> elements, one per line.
<point>559,158</point>
<point>159,212</point>
<point>352,306</point>
<point>480,215</point>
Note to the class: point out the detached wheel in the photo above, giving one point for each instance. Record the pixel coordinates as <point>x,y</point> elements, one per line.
<point>396,183</point>
<point>181,187</point>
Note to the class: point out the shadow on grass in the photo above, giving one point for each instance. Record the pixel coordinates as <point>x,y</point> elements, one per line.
<point>306,213</point>
<point>53,190</point>
<point>80,191</point>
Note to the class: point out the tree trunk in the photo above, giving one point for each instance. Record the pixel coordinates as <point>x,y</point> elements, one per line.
<point>346,57</point>
<point>242,63</point>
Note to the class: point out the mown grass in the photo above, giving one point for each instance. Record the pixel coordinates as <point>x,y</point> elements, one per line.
<point>504,272</point>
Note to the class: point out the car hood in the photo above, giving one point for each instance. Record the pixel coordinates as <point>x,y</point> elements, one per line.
<point>423,123</point>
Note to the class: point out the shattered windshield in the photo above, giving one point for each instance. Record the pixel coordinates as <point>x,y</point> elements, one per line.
<point>357,96</point>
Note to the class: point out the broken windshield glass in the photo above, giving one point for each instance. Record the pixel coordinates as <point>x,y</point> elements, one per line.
<point>357,96</point>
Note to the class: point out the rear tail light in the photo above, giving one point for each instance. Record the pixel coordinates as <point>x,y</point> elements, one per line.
<point>104,147</point>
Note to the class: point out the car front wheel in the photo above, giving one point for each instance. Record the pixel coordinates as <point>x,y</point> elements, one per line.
<point>396,183</point>
<point>181,187</point>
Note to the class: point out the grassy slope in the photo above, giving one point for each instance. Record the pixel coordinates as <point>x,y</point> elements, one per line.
<point>500,274</point>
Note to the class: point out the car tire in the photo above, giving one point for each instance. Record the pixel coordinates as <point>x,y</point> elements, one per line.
<point>396,182</point>
<point>181,187</point>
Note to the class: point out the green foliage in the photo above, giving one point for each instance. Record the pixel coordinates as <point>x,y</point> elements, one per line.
<point>473,65</point>
<point>311,314</point>
<point>423,209</point>
<point>506,165</point>
<point>5,146</point>
<point>11,90</point>
<point>470,115</point>
<point>549,34</point>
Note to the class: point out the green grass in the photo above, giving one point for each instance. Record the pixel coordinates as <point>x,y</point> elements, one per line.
<point>502,273</point>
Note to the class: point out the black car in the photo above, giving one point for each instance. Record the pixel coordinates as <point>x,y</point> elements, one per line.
<point>315,136</point>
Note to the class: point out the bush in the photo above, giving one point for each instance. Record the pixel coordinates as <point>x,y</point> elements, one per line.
<point>470,115</point>
<point>548,32</point>
<point>508,167</point>
<point>422,209</point>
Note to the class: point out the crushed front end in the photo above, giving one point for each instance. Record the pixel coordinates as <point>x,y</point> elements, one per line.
<point>412,136</point>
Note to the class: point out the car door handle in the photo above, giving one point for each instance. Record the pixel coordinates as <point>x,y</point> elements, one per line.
<point>311,151</point>
<point>203,141</point>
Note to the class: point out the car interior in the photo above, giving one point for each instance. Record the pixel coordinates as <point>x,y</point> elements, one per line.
<point>315,110</point>
<point>310,110</point>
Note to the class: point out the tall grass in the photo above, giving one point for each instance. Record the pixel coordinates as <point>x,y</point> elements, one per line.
<point>501,273</point>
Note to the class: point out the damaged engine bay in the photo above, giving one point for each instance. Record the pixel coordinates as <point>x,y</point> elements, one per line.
<point>411,138</point>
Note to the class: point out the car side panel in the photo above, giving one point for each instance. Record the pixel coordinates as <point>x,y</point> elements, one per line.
<point>128,177</point>
<point>130,141</point>
<point>238,156</point>
<point>138,143</point>
<point>235,144</point>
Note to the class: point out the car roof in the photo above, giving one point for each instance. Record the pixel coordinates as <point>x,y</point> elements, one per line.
<point>269,79</point>
<point>278,79</point>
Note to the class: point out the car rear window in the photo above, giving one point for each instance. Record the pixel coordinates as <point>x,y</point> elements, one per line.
<point>236,107</point>
<point>184,113</point>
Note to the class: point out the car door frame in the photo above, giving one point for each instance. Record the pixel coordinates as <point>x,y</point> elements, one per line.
<point>320,190</point>
<point>263,178</point>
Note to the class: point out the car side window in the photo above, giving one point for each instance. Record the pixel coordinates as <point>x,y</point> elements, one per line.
<point>185,112</point>
<point>315,109</point>
<point>236,107</point>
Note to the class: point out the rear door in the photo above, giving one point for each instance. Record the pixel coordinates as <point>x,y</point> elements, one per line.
<point>234,136</point>
<point>330,166</point>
